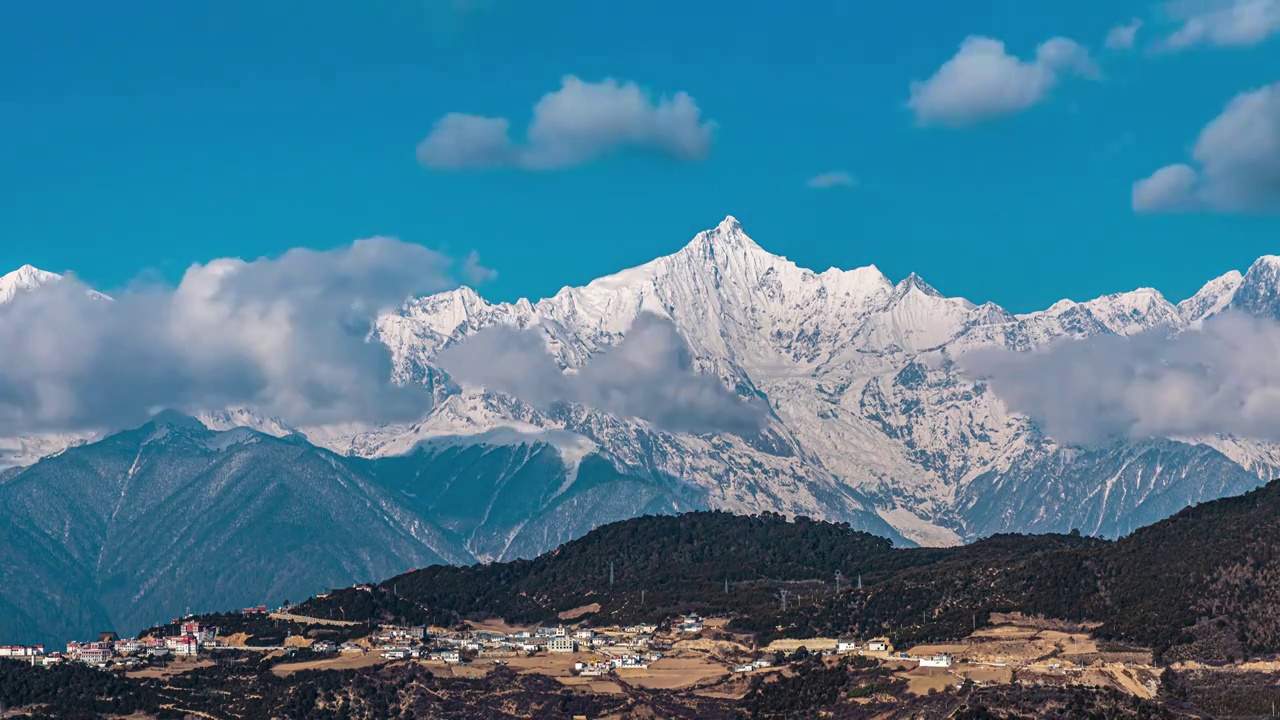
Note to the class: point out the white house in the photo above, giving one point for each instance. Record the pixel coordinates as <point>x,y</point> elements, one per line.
<point>846,645</point>
<point>941,660</point>
<point>878,645</point>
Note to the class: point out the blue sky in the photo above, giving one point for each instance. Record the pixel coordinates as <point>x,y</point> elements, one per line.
<point>144,136</point>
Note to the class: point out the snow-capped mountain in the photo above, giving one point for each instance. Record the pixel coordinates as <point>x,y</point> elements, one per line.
<point>23,279</point>
<point>869,421</point>
<point>868,409</point>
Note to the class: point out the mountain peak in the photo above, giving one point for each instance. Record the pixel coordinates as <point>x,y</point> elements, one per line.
<point>1259,290</point>
<point>914,281</point>
<point>728,234</point>
<point>27,277</point>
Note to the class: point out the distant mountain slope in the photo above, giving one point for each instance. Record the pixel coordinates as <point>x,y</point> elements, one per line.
<point>498,501</point>
<point>171,516</point>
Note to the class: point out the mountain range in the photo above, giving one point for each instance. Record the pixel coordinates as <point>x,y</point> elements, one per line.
<point>869,421</point>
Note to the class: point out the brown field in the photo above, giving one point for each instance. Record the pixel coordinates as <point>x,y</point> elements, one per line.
<point>715,647</point>
<point>1033,645</point>
<point>497,626</point>
<point>673,673</point>
<point>808,643</point>
<point>553,664</point>
<point>598,685</point>
<point>921,680</point>
<point>346,661</point>
<point>236,640</point>
<point>175,668</point>
<point>985,674</point>
<point>579,611</point>
<point>470,670</point>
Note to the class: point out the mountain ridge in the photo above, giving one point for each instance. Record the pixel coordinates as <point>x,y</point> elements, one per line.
<point>869,416</point>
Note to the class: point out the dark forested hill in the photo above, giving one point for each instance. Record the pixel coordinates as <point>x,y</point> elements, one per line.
<point>1203,584</point>
<point>647,568</point>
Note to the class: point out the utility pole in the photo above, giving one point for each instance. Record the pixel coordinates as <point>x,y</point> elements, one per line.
<point>642,598</point>
<point>726,586</point>
<point>839,577</point>
<point>859,581</point>
<point>611,573</point>
<point>783,593</point>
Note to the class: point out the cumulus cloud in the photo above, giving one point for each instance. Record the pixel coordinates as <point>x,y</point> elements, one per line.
<point>983,81</point>
<point>1223,378</point>
<point>289,335</point>
<point>649,375</point>
<point>1222,23</point>
<point>1237,163</point>
<point>835,178</point>
<point>1123,37</point>
<point>580,122</point>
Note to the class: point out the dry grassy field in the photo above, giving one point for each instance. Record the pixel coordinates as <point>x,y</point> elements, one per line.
<point>175,668</point>
<point>346,661</point>
<point>673,673</point>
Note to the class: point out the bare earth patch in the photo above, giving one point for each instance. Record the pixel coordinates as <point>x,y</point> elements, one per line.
<point>673,673</point>
<point>578,612</point>
<point>347,661</point>
<point>177,667</point>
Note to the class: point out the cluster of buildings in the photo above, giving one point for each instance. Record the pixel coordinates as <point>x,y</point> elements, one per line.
<point>883,648</point>
<point>623,661</point>
<point>753,666</point>
<point>108,648</point>
<point>629,647</point>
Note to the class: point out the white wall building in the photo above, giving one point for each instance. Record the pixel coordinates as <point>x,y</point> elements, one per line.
<point>941,660</point>
<point>562,644</point>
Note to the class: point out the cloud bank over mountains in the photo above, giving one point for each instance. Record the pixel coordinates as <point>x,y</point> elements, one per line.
<point>291,337</point>
<point>649,375</point>
<point>578,123</point>
<point>1220,379</point>
<point>288,335</point>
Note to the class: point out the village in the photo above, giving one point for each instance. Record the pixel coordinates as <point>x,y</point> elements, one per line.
<point>690,652</point>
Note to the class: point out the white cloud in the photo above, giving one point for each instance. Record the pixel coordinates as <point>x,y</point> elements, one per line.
<point>580,122</point>
<point>1169,189</point>
<point>1223,378</point>
<point>1123,37</point>
<point>1222,23</point>
<point>983,81</point>
<point>288,335</point>
<point>1237,163</point>
<point>835,178</point>
<point>650,375</point>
